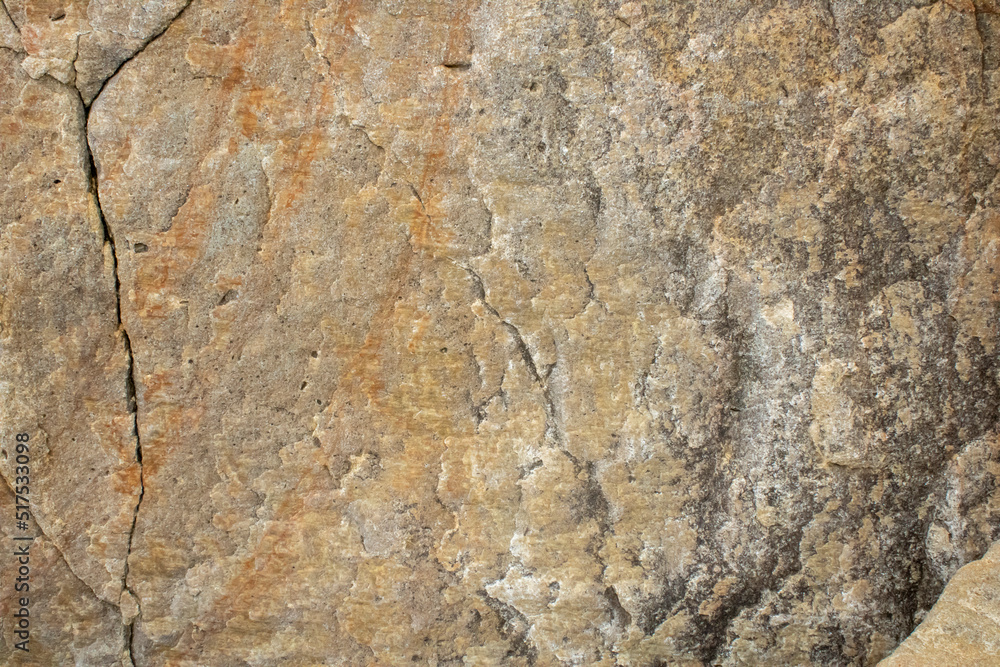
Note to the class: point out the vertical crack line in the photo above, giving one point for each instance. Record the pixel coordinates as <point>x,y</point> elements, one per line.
<point>833,19</point>
<point>130,385</point>
<point>6,11</point>
<point>551,423</point>
<point>592,294</point>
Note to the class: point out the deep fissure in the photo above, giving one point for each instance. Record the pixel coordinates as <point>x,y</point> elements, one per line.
<point>130,385</point>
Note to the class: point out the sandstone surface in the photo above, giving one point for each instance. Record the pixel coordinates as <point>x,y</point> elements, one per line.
<point>498,332</point>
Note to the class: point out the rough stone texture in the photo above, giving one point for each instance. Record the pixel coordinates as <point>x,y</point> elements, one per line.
<point>963,627</point>
<point>83,42</point>
<point>63,371</point>
<point>504,332</point>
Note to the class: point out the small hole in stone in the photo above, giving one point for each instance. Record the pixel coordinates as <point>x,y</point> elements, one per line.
<point>444,349</point>
<point>140,247</point>
<point>57,181</point>
<point>303,386</point>
<point>314,354</point>
<point>58,15</point>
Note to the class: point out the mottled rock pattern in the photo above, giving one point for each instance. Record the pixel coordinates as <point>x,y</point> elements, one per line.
<point>512,332</point>
<point>83,42</point>
<point>64,371</point>
<point>963,627</point>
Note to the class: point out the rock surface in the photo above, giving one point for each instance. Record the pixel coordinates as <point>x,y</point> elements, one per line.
<point>963,627</point>
<point>498,333</point>
<point>64,371</point>
<point>83,42</point>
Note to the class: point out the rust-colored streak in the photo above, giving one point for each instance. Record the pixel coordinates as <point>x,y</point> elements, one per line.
<point>362,375</point>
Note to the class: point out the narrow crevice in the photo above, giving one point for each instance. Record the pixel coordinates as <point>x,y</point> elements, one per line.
<point>315,43</point>
<point>152,38</point>
<point>129,638</point>
<point>419,199</point>
<point>479,409</point>
<point>9,17</point>
<point>591,295</point>
<point>130,384</point>
<point>551,423</point>
<point>833,19</point>
<point>55,545</point>
<point>591,290</point>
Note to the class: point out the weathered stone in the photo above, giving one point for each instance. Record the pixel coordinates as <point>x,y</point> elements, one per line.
<point>83,42</point>
<point>963,627</point>
<point>516,332</point>
<point>68,624</point>
<point>64,370</point>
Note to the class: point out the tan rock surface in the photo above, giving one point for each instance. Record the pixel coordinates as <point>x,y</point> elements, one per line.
<point>503,332</point>
<point>64,366</point>
<point>83,42</point>
<point>963,627</point>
